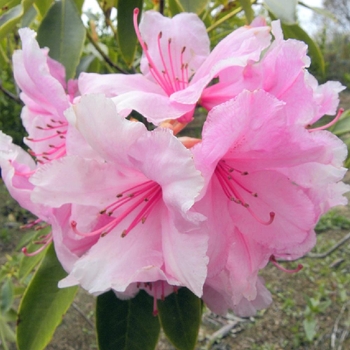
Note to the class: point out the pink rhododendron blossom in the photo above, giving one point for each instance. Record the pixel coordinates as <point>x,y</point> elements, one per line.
<point>176,66</point>
<point>46,96</point>
<point>251,159</point>
<point>142,191</point>
<point>306,101</point>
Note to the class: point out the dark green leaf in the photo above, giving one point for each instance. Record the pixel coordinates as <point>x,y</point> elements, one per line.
<point>126,324</point>
<point>296,32</point>
<point>6,296</point>
<point>180,316</point>
<point>43,305</point>
<point>126,32</point>
<point>63,32</point>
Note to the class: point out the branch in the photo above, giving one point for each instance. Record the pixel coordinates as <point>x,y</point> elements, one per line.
<point>330,251</point>
<point>77,308</point>
<point>10,95</point>
<point>336,326</point>
<point>161,7</point>
<point>104,56</point>
<point>221,333</point>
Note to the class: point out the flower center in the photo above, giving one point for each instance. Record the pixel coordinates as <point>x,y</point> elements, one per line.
<point>141,198</point>
<point>170,77</point>
<point>232,186</point>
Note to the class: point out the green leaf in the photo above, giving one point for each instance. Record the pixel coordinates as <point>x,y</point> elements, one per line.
<point>6,333</point>
<point>126,32</point>
<point>247,7</point>
<point>29,17</point>
<point>63,32</point>
<point>180,316</point>
<point>43,305</point>
<point>310,328</point>
<point>285,10</point>
<point>43,6</point>
<point>126,324</point>
<point>175,7</point>
<point>9,19</point>
<point>6,296</point>
<point>79,4</point>
<point>27,264</point>
<point>296,32</point>
<point>196,6</point>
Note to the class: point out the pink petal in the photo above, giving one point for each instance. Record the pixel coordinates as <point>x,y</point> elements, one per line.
<point>185,255</point>
<point>113,85</point>
<point>170,164</point>
<point>108,133</point>
<point>32,71</point>
<point>155,107</point>
<point>139,259</point>
<point>194,39</point>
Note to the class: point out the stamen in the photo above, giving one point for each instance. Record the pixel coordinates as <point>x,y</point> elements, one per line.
<point>31,224</point>
<point>183,69</point>
<point>174,79</point>
<point>274,262</point>
<point>337,117</point>
<point>48,239</point>
<point>153,70</point>
<point>47,137</point>
<point>225,176</point>
<point>170,88</point>
<point>145,195</point>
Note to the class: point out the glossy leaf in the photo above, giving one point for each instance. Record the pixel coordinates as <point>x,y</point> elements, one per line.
<point>180,316</point>
<point>247,7</point>
<point>296,32</point>
<point>43,6</point>
<point>9,19</point>
<point>196,6</point>
<point>285,10</point>
<point>28,264</point>
<point>126,324</point>
<point>43,305</point>
<point>79,4</point>
<point>63,32</point>
<point>126,33</point>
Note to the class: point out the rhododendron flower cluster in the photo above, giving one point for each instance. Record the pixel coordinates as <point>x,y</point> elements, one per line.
<point>132,208</point>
